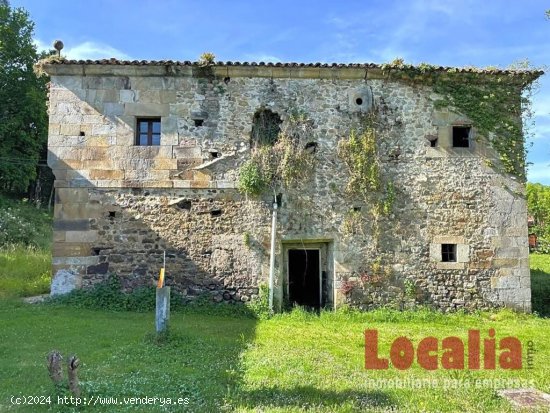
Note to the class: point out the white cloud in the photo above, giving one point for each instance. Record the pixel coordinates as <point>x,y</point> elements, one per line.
<point>84,51</point>
<point>42,46</point>
<point>539,172</point>
<point>261,57</point>
<point>93,50</point>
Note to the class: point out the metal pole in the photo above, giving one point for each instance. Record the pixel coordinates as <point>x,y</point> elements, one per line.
<point>272,257</point>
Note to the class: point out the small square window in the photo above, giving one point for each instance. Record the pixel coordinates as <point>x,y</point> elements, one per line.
<point>448,252</point>
<point>461,136</point>
<point>148,131</point>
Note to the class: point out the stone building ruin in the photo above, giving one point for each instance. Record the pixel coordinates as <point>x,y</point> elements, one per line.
<point>147,157</point>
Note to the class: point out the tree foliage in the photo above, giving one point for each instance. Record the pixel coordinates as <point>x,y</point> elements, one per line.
<point>23,116</point>
<point>538,204</point>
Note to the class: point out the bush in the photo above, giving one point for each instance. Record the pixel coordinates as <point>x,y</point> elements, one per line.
<point>24,224</point>
<point>108,295</point>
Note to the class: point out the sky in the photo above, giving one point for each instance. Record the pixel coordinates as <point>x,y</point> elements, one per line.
<point>444,32</point>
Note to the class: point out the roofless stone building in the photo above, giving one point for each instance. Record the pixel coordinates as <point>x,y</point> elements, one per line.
<point>414,192</point>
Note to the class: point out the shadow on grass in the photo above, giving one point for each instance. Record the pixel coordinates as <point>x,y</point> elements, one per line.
<point>540,292</point>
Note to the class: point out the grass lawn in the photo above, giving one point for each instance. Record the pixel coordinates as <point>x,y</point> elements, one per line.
<point>294,362</point>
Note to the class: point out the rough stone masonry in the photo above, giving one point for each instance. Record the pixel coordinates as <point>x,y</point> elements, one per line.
<point>146,157</point>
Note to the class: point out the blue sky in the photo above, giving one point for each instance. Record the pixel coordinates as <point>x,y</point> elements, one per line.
<point>446,32</point>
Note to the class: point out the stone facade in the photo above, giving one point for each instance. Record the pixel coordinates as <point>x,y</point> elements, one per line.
<point>120,205</point>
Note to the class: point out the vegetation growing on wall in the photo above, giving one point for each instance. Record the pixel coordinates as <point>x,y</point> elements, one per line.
<point>497,102</point>
<point>281,164</point>
<point>361,155</point>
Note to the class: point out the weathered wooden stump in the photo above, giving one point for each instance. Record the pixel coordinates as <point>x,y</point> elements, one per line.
<point>54,367</point>
<point>72,369</point>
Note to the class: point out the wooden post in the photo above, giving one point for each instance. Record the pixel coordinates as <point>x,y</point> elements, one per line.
<point>72,369</point>
<point>54,367</point>
<point>162,314</point>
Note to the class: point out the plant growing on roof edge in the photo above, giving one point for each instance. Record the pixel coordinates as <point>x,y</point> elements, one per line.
<point>207,59</point>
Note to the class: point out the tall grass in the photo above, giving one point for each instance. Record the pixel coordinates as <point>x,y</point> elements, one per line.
<point>25,242</point>
<point>24,271</point>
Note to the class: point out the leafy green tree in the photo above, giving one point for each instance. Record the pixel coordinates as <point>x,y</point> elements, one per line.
<point>23,116</point>
<point>538,204</point>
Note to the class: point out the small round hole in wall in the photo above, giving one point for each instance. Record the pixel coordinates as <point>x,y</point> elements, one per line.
<point>359,101</point>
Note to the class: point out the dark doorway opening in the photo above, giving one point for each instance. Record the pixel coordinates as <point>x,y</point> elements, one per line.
<point>304,286</point>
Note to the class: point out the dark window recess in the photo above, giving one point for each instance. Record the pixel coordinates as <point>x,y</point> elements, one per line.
<point>82,133</point>
<point>311,147</point>
<point>433,143</point>
<point>185,204</point>
<point>266,126</point>
<point>359,101</point>
<point>96,251</point>
<point>214,154</point>
<point>112,214</point>
<point>215,212</point>
<point>448,252</point>
<point>279,200</point>
<point>356,209</point>
<point>461,136</point>
<point>198,122</point>
<point>148,131</point>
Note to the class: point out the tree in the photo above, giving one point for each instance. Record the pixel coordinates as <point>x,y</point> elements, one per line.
<point>23,116</point>
<point>538,205</point>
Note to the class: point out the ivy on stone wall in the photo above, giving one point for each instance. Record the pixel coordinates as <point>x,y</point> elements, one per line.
<point>282,164</point>
<point>361,155</point>
<point>497,102</point>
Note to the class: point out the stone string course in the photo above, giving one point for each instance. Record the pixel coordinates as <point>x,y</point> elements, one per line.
<point>119,206</point>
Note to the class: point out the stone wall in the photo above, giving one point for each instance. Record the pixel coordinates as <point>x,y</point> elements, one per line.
<point>119,206</point>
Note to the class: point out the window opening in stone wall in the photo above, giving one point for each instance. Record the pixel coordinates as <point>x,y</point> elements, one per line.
<point>461,136</point>
<point>199,122</point>
<point>112,214</point>
<point>82,133</point>
<point>266,126</point>
<point>215,212</point>
<point>311,147</point>
<point>184,204</point>
<point>433,143</point>
<point>448,252</point>
<point>148,131</point>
